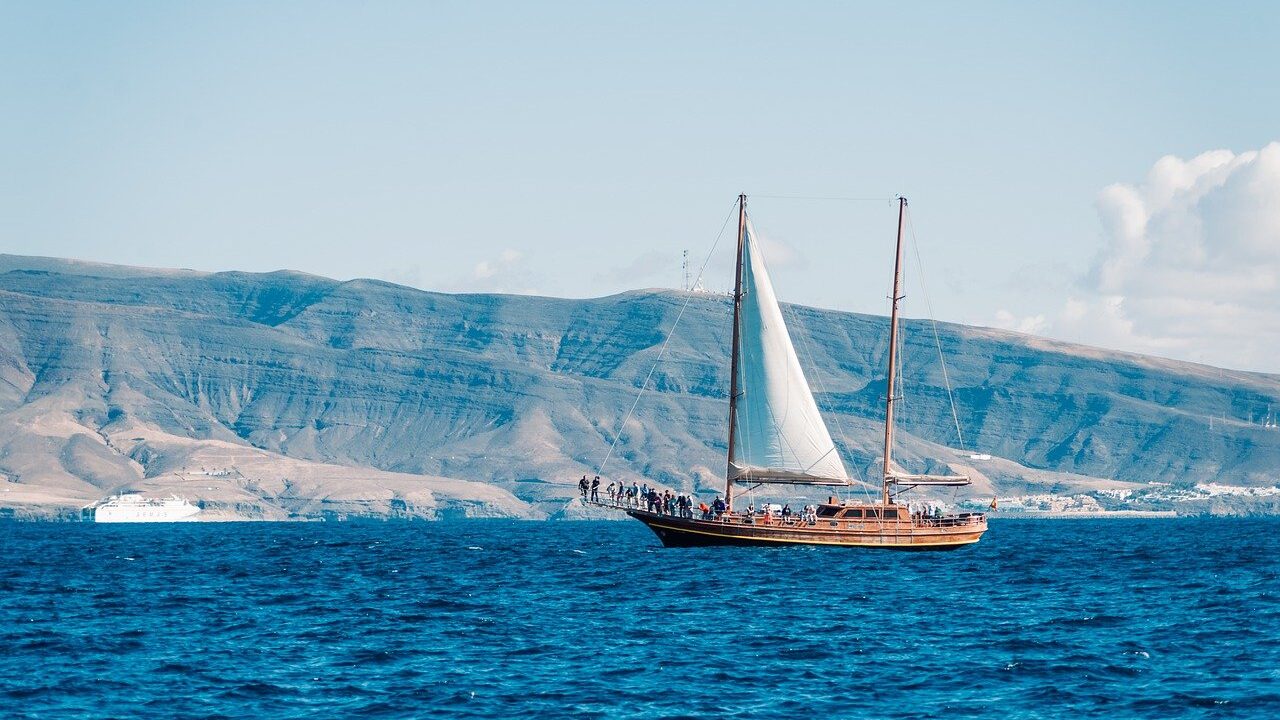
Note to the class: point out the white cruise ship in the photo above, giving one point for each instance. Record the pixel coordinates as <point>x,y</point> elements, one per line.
<point>134,508</point>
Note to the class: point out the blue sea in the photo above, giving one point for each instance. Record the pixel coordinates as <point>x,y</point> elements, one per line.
<point>491,619</point>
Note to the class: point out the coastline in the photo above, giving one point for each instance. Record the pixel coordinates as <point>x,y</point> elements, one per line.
<point>1104,515</point>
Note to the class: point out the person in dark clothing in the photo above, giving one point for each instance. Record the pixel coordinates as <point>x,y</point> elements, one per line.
<point>595,489</point>
<point>719,507</point>
<point>582,487</point>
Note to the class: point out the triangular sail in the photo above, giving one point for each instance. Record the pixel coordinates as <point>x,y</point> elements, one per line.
<point>780,435</point>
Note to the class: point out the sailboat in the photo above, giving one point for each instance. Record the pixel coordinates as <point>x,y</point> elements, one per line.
<point>777,435</point>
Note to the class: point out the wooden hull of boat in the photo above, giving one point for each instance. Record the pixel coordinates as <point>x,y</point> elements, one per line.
<point>683,532</point>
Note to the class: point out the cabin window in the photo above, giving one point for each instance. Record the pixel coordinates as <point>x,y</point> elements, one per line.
<point>873,513</point>
<point>856,513</point>
<point>827,511</point>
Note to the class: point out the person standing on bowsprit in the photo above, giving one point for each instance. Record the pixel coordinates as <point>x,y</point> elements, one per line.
<point>582,487</point>
<point>595,489</point>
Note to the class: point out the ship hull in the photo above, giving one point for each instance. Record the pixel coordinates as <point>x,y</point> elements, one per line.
<point>684,532</point>
<point>144,516</point>
<point>142,511</point>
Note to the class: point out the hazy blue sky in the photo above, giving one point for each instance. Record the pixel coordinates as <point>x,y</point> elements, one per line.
<point>576,149</point>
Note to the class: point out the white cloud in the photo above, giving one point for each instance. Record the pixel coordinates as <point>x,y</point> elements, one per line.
<point>1008,321</point>
<point>506,261</point>
<point>778,254</point>
<point>507,272</point>
<point>1191,263</point>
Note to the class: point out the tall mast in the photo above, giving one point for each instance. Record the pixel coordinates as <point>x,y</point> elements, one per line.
<point>733,365</point>
<point>893,354</point>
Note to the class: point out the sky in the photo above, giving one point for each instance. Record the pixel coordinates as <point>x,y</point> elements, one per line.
<point>1103,173</point>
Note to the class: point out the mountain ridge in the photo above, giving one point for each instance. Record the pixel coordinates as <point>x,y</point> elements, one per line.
<point>524,393</point>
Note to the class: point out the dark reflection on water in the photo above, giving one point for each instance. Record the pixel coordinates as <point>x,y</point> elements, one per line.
<point>1132,618</point>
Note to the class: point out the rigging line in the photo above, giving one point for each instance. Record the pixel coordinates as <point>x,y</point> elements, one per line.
<point>826,197</point>
<point>663,350</point>
<point>901,397</point>
<point>942,361</point>
<point>743,431</point>
<point>898,391</point>
<point>742,435</point>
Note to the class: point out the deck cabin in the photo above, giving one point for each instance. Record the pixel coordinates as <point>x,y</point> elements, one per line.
<point>834,513</point>
<point>863,512</point>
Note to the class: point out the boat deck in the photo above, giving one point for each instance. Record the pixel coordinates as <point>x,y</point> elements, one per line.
<point>839,527</point>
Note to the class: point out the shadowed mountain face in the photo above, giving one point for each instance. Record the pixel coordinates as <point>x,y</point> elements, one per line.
<point>115,377</point>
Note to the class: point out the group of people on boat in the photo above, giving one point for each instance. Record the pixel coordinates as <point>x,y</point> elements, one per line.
<point>773,513</point>
<point>642,496</point>
<point>666,502</point>
<point>593,486</point>
<point>925,511</point>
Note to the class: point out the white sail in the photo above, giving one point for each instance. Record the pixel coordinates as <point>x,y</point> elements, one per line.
<point>780,435</point>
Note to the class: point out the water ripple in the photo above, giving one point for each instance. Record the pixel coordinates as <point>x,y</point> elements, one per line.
<point>499,619</point>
